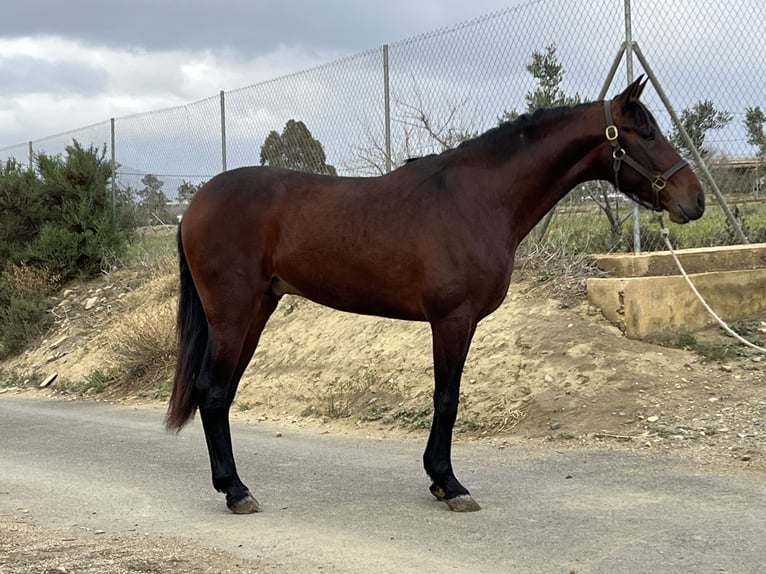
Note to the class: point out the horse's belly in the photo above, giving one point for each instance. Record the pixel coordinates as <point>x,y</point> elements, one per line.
<point>348,296</point>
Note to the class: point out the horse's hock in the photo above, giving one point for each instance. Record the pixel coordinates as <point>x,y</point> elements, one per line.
<point>648,298</point>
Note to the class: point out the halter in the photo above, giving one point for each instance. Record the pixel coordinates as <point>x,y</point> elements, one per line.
<point>620,155</point>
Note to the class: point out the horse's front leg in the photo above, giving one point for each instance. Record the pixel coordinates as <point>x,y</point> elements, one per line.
<point>451,340</point>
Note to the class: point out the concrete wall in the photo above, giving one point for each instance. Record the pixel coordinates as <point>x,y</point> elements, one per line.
<point>648,298</point>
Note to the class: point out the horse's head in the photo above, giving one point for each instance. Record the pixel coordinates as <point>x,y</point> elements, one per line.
<point>648,169</point>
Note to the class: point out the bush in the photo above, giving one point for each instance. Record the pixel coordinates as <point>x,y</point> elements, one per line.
<point>57,222</point>
<point>23,306</point>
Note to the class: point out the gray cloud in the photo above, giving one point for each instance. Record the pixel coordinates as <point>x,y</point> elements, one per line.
<point>25,75</point>
<point>251,28</point>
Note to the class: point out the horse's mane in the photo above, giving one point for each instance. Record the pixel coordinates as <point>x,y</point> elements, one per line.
<point>532,126</point>
<point>528,125</point>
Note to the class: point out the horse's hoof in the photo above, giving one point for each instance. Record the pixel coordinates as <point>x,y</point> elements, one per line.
<point>246,505</point>
<point>438,492</point>
<point>463,503</point>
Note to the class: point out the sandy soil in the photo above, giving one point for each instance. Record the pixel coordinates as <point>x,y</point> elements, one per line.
<point>538,369</point>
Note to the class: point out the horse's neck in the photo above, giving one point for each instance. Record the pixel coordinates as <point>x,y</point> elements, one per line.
<point>542,171</point>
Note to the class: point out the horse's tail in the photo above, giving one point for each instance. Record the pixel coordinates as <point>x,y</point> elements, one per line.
<point>191,334</point>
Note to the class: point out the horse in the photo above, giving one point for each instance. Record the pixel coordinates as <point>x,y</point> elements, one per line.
<point>433,240</point>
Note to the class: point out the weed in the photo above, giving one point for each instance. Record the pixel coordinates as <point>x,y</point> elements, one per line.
<point>375,411</point>
<point>158,393</point>
<point>716,352</point>
<point>709,352</point>
<point>370,380</point>
<point>753,331</point>
<point>152,250</point>
<point>8,378</point>
<point>677,432</point>
<point>95,383</point>
<point>337,408</point>
<point>411,418</point>
<point>564,436</point>
<point>467,426</point>
<point>311,411</point>
<point>686,341</point>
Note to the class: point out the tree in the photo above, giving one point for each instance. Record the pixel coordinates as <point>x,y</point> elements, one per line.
<point>549,73</point>
<point>186,191</point>
<point>755,120</point>
<point>152,201</point>
<point>295,149</point>
<point>698,120</point>
<point>420,132</point>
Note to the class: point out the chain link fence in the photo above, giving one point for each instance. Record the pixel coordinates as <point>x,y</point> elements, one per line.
<point>421,95</point>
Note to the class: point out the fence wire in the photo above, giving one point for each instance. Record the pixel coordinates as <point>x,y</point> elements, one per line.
<point>421,95</point>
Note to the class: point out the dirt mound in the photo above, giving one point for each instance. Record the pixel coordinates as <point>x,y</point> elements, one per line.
<point>537,368</point>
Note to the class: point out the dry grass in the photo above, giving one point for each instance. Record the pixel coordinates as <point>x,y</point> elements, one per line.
<point>143,342</point>
<point>559,274</point>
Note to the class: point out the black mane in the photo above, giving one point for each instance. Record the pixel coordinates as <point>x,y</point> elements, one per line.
<point>534,125</point>
<point>527,126</point>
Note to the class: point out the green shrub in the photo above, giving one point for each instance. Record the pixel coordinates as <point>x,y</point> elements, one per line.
<point>57,222</point>
<point>23,306</point>
<point>55,248</point>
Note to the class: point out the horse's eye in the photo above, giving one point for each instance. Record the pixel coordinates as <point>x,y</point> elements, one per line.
<point>648,136</point>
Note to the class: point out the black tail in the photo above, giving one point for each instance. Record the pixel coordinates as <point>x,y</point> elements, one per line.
<point>191,334</point>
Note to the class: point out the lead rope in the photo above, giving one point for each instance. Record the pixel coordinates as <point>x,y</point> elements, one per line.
<point>665,232</point>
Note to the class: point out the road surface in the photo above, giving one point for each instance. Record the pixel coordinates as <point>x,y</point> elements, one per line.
<point>350,504</point>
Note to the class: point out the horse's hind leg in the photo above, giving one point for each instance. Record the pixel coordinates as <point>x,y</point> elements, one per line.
<point>227,356</point>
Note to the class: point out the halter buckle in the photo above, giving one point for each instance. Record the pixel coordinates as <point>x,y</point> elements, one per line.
<point>612,133</point>
<point>659,183</point>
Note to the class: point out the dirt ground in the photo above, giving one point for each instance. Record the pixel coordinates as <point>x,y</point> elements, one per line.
<point>27,548</point>
<point>539,371</point>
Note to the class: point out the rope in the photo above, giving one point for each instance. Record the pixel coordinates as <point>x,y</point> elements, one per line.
<point>666,236</point>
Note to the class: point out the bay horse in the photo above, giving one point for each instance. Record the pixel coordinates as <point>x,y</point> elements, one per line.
<point>433,240</point>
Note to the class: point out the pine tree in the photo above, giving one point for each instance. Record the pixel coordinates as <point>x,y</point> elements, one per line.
<point>295,149</point>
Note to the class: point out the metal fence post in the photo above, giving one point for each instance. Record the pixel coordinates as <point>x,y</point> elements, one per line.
<point>31,156</point>
<point>223,131</point>
<point>629,69</point>
<point>114,168</point>
<point>387,104</point>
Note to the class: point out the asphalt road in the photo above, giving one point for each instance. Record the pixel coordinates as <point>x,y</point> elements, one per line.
<point>346,504</point>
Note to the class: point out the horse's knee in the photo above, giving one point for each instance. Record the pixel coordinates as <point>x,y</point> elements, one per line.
<point>210,397</point>
<point>445,410</point>
<point>211,390</point>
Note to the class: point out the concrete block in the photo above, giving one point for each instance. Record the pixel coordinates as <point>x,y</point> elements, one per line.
<point>652,300</point>
<point>701,260</point>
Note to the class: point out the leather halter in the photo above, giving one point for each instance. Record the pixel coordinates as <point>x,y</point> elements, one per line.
<point>659,181</point>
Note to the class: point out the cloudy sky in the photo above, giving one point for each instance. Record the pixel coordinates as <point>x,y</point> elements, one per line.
<point>68,64</point>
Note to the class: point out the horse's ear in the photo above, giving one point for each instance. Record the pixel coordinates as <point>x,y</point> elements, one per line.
<point>633,92</point>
